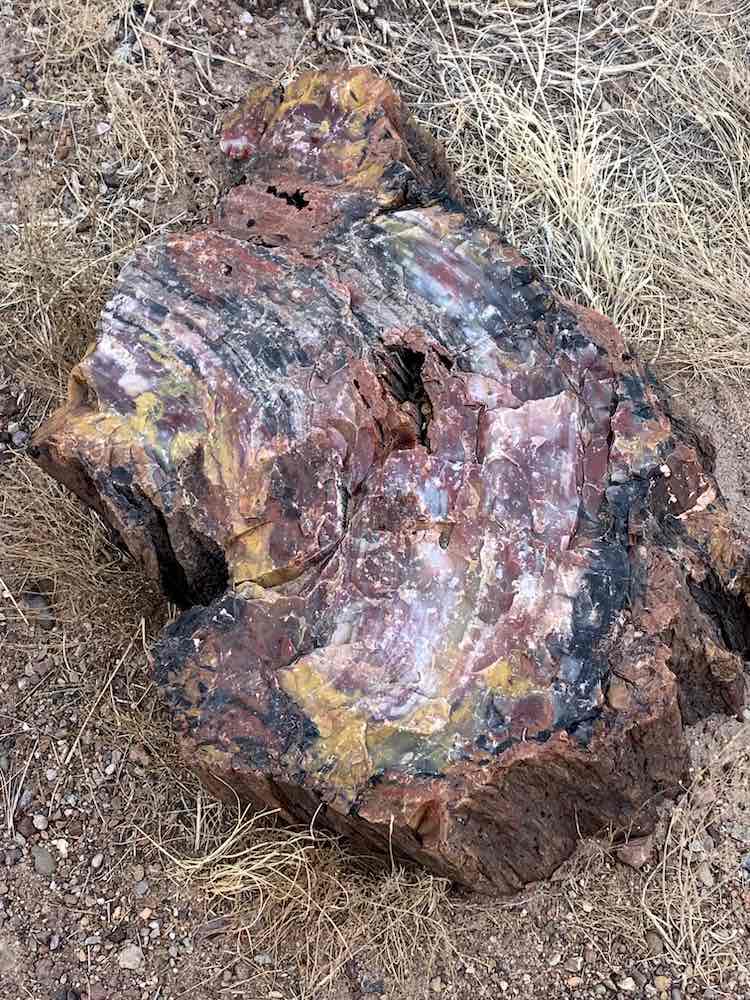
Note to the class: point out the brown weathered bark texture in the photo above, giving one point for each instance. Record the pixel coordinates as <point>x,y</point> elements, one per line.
<point>455,578</point>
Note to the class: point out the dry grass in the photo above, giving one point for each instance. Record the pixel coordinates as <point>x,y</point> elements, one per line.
<point>613,149</point>
<point>295,891</point>
<point>120,149</point>
<point>615,153</point>
<point>697,917</point>
<point>52,546</point>
<point>53,287</point>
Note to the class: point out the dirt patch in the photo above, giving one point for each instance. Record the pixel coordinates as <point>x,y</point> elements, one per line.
<point>119,877</point>
<point>720,410</point>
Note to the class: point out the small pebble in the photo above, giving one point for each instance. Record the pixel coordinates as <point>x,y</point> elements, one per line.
<point>574,964</point>
<point>263,959</point>
<point>627,985</point>
<point>662,983</point>
<point>637,852</point>
<point>61,847</point>
<point>39,610</point>
<point>40,821</point>
<point>97,861</point>
<point>130,957</point>
<point>44,863</point>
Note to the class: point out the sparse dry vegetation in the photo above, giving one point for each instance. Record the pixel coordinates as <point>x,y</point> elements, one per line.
<point>613,146</point>
<point>284,885</point>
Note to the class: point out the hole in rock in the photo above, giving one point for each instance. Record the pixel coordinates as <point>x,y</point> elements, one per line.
<point>296,199</point>
<point>403,379</point>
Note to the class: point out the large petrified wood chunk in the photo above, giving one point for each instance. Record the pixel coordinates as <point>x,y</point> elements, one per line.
<point>455,579</point>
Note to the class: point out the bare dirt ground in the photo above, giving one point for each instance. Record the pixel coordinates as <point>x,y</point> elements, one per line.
<point>612,142</point>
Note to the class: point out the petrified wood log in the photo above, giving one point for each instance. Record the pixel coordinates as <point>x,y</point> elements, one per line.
<point>455,578</point>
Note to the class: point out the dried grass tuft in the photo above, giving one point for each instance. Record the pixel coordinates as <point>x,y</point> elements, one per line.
<point>691,898</point>
<point>699,925</point>
<point>51,545</point>
<point>297,893</point>
<point>52,287</point>
<point>72,34</point>
<point>612,148</point>
<point>120,138</point>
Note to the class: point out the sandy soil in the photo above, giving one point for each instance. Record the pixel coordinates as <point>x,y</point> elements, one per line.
<point>95,809</point>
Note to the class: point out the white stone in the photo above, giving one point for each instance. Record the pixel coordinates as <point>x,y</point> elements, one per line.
<point>130,957</point>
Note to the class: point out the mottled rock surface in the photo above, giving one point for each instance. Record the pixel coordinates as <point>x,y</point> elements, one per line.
<point>455,577</point>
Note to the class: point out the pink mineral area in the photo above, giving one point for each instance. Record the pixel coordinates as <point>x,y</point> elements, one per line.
<point>237,147</point>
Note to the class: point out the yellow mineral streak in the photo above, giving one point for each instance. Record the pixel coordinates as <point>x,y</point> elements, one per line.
<point>350,748</point>
<point>184,444</point>
<point>148,410</point>
<point>343,744</point>
<point>428,718</point>
<point>503,677</point>
<point>355,100</point>
<point>250,555</point>
<point>462,715</point>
